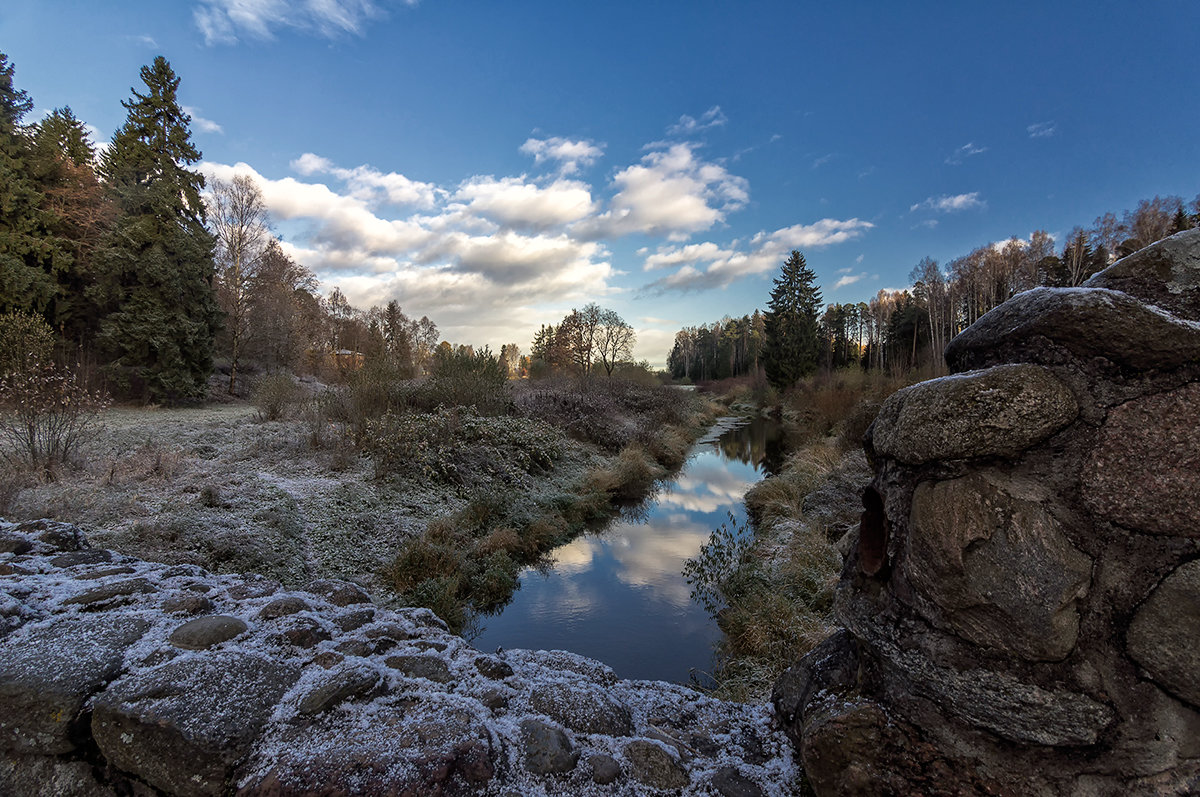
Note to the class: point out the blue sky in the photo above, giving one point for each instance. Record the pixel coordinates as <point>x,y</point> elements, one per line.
<point>494,164</point>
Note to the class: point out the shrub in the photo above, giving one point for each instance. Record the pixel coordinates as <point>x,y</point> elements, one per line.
<point>273,395</point>
<point>461,378</point>
<point>24,339</point>
<point>45,414</point>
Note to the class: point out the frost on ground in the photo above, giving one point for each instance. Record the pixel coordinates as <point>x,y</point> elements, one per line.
<point>216,487</point>
<point>198,683</point>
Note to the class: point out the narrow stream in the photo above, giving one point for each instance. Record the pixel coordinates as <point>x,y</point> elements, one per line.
<point>618,595</point>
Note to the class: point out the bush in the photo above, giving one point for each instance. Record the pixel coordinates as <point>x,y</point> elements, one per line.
<point>24,339</point>
<point>273,395</point>
<point>45,414</point>
<point>461,378</point>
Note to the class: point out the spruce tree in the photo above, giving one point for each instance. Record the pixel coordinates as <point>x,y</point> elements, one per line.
<point>30,254</point>
<point>792,343</point>
<point>155,268</point>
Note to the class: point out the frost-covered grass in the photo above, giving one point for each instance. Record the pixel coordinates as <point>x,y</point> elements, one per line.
<point>310,495</point>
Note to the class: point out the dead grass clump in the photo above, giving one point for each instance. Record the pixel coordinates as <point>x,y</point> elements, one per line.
<point>505,540</point>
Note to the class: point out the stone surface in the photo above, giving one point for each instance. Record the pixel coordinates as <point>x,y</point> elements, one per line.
<point>493,668</point>
<point>583,708</point>
<point>1145,472</point>
<point>605,769</point>
<point>421,666</point>
<point>547,748</point>
<point>339,593</point>
<point>47,673</point>
<point>1164,636</point>
<point>114,591</point>
<point>1057,325</point>
<point>282,607</point>
<point>39,776</point>
<point>207,632</point>
<point>187,604</point>
<point>1165,274</point>
<point>729,782</point>
<point>14,544</point>
<point>989,562</point>
<point>651,764</point>
<point>184,726</point>
<point>91,556</point>
<point>342,685</point>
<point>998,412</point>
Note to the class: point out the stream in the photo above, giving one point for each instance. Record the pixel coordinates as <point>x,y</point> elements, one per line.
<point>618,595</point>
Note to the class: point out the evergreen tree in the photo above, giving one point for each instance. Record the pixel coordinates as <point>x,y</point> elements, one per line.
<point>155,269</point>
<point>30,254</point>
<point>792,342</point>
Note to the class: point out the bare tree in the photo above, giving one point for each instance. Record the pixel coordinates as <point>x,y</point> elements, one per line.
<point>238,219</point>
<point>614,339</point>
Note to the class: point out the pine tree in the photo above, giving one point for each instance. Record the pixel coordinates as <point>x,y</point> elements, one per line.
<point>155,269</point>
<point>792,341</point>
<point>30,254</point>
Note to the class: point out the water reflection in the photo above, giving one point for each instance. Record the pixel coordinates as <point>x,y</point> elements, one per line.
<point>618,595</point>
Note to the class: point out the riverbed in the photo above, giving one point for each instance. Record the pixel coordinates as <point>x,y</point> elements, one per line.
<point>618,594</point>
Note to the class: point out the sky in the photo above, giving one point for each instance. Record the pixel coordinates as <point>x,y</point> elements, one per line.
<point>492,165</point>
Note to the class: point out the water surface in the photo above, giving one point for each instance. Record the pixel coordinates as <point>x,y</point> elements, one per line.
<point>618,595</point>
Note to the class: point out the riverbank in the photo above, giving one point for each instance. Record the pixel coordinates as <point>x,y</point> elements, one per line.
<point>770,582</point>
<point>299,498</point>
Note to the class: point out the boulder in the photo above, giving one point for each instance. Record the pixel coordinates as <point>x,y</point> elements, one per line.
<point>1144,472</point>
<point>990,563</point>
<point>206,632</point>
<point>183,727</point>
<point>998,412</point>
<point>1164,636</point>
<point>583,708</point>
<point>419,665</point>
<point>547,748</point>
<point>651,764</point>
<point>1165,274</point>
<point>50,670</point>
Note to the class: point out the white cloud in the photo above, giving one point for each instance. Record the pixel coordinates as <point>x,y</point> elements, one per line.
<point>570,155</point>
<point>1041,129</point>
<point>688,125</point>
<point>849,279</point>
<point>371,185</point>
<point>950,204</point>
<point>763,253</point>
<point>226,21</point>
<point>824,159</point>
<point>202,124</point>
<point>671,192</point>
<point>965,151</point>
<point>513,202</point>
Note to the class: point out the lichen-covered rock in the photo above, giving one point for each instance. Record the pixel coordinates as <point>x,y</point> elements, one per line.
<point>1061,326</point>
<point>998,412</point>
<point>1165,274</point>
<point>339,593</point>
<point>583,708</point>
<point>207,632</point>
<point>47,673</point>
<point>988,561</point>
<point>184,726</point>
<point>418,665</point>
<point>1144,473</point>
<point>1164,636</point>
<point>113,591</point>
<point>651,764</point>
<point>547,748</point>
<point>343,684</point>
<point>282,607</point>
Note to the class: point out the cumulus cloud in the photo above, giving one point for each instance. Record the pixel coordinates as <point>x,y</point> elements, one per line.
<point>962,153</point>
<point>1041,129</point>
<point>687,125</point>
<point>950,204</point>
<point>370,185</point>
<point>514,202</point>
<point>202,124</point>
<point>228,21</point>
<point>705,266</point>
<point>672,192</point>
<point>848,279</point>
<point>571,156</point>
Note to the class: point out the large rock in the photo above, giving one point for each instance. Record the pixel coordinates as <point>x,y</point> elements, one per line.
<point>1058,326</point>
<point>583,708</point>
<point>47,673</point>
<point>988,561</point>
<point>184,726</point>
<point>1165,274</point>
<point>998,412</point>
<point>547,748</point>
<point>1145,471</point>
<point>1164,636</point>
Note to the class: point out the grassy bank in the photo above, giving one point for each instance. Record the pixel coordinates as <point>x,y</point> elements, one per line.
<point>381,481</point>
<point>770,586</point>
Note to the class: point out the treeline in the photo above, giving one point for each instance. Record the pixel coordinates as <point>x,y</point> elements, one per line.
<point>901,330</point>
<point>584,342</point>
<point>147,275</point>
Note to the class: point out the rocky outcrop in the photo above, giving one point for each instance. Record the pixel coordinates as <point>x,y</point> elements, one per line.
<point>119,676</point>
<point>1022,610</point>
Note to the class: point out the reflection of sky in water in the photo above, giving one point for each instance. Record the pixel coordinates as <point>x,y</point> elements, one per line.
<point>619,595</point>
